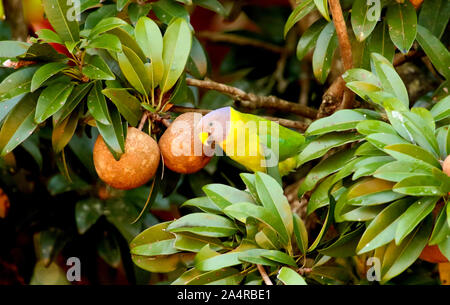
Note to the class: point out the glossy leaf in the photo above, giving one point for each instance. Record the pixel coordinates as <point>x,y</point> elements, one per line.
<point>413,216</point>
<point>290,277</point>
<point>223,195</point>
<point>51,100</point>
<point>399,170</point>
<point>303,9</point>
<point>441,110</point>
<point>322,6</point>
<point>18,125</point>
<point>321,145</point>
<point>402,21</point>
<point>211,225</point>
<point>364,18</point>
<point>87,212</point>
<point>63,18</point>
<point>113,134</point>
<point>96,68</point>
<point>177,45</point>
<point>105,25</point>
<point>419,186</point>
<point>323,54</point>
<point>64,130</point>
<point>309,38</point>
<point>339,121</point>
<point>381,43</point>
<point>434,16</point>
<point>127,104</point>
<point>97,104</point>
<point>106,41</point>
<point>409,152</point>
<point>133,69</point>
<point>381,230</point>
<point>16,83</point>
<point>149,38</point>
<point>45,72</point>
<point>435,50</point>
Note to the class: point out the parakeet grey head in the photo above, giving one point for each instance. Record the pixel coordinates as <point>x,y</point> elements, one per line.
<point>214,126</point>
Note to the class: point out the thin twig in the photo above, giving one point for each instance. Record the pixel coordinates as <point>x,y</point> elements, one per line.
<point>239,40</point>
<point>253,101</point>
<point>143,120</point>
<point>264,275</point>
<point>283,122</point>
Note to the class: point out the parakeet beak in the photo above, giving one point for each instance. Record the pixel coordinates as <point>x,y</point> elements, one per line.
<point>204,137</point>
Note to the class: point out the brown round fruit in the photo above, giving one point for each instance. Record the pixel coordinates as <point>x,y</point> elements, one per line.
<point>182,150</point>
<point>432,254</point>
<point>136,166</point>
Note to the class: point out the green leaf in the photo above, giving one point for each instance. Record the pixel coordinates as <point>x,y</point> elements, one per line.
<point>441,228</point>
<point>399,170</point>
<point>381,140</point>
<point>390,80</point>
<point>203,203</point>
<point>12,48</point>
<point>128,41</point>
<point>121,4</point>
<point>381,230</point>
<point>364,18</point>
<point>113,134</point>
<point>167,10</point>
<point>87,212</point>
<point>197,63</point>
<point>226,276</point>
<point>413,216</point>
<point>326,167</point>
<point>16,83</point>
<point>135,72</point>
<point>136,11</point>
<point>194,243</point>
<point>49,36</point>
<point>309,38</point>
<point>64,130</point>
<point>419,186</point>
<point>148,36</point>
<point>368,166</point>
<point>177,43</point>
<point>162,247</point>
<point>301,234</point>
<point>45,72</point>
<point>322,6</point>
<point>323,54</point>
<point>74,99</point>
<point>223,195</point>
<point>272,198</point>
<point>345,245</point>
<point>339,121</point>
<point>435,50</point>
<point>106,25</point>
<point>434,16</point>
<point>127,104</point>
<point>272,255</point>
<point>322,144</point>
<point>358,74</point>
<point>213,5</point>
<point>369,127</point>
<point>205,224</point>
<point>63,18</point>
<point>96,68</point>
<point>410,152</point>
<point>402,21</point>
<point>106,41</point>
<point>18,125</point>
<point>97,105</point>
<point>241,211</point>
<point>398,258</point>
<point>96,16</point>
<point>440,111</point>
<point>303,9</point>
<point>381,43</point>
<point>51,100</point>
<point>290,277</point>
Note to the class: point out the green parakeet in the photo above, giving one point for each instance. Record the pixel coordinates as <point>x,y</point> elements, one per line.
<point>250,140</point>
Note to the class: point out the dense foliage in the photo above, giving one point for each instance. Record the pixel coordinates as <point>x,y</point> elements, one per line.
<point>369,182</point>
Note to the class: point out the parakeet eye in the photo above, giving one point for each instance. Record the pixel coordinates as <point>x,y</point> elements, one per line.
<point>210,123</point>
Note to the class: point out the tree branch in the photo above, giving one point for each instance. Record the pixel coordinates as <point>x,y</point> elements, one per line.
<point>252,101</point>
<point>239,40</point>
<point>345,48</point>
<point>15,18</point>
<point>264,275</point>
